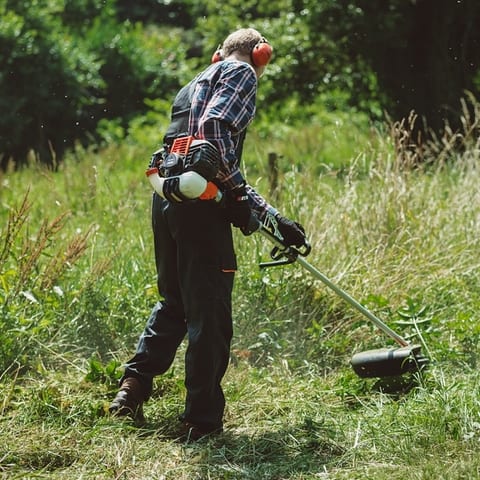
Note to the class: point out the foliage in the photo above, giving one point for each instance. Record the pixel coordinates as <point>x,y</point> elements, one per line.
<point>177,13</point>
<point>413,78</point>
<point>48,82</point>
<point>309,64</point>
<point>136,65</point>
<point>90,69</point>
<point>102,61</point>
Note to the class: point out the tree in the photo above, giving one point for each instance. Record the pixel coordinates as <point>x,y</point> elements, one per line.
<point>47,82</point>
<point>431,59</point>
<point>424,53</point>
<point>312,62</point>
<point>68,64</point>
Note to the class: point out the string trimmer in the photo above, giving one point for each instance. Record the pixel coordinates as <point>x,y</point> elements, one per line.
<point>191,185</point>
<point>382,362</point>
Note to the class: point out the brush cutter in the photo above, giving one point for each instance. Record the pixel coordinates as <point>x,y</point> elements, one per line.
<point>385,362</point>
<point>372,363</point>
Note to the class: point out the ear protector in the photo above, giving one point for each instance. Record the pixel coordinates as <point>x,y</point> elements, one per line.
<point>218,55</point>
<point>260,54</point>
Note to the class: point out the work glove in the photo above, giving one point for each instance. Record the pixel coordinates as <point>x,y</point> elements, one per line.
<point>292,232</point>
<point>238,211</point>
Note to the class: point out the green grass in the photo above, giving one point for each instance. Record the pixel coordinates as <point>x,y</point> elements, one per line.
<point>77,282</point>
<point>280,424</point>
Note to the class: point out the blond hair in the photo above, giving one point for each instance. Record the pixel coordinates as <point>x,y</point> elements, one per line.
<point>242,41</point>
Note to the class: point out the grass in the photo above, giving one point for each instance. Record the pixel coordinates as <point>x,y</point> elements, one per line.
<point>313,428</point>
<point>77,283</point>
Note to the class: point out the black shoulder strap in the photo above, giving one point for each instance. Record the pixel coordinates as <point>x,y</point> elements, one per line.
<point>180,113</point>
<point>239,148</point>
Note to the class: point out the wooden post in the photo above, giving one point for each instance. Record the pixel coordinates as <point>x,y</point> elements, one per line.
<point>273,174</point>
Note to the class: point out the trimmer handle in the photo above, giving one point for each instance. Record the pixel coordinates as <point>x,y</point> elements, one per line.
<point>282,254</point>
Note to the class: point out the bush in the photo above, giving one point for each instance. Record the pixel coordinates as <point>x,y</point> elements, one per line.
<point>48,83</point>
<point>60,80</point>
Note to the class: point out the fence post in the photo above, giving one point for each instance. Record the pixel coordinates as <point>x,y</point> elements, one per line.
<point>273,174</point>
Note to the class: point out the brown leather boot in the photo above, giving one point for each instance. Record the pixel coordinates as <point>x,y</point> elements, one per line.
<point>129,400</point>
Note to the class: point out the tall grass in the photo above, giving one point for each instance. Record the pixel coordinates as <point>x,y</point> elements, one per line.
<point>399,234</point>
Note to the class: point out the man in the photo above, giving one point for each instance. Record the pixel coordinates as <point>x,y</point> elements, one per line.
<point>194,252</point>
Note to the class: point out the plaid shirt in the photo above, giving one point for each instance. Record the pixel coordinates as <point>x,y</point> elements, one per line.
<point>223,105</point>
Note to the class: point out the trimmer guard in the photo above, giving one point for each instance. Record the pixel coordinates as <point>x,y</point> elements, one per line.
<point>386,362</point>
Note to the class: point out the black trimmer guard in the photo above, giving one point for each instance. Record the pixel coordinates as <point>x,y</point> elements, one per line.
<point>387,362</point>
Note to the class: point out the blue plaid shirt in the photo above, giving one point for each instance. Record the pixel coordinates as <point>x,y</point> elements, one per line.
<point>223,105</point>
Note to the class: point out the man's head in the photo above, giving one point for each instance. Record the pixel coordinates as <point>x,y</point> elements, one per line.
<point>247,44</point>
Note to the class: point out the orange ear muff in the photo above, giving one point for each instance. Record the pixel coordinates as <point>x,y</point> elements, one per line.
<point>217,56</point>
<point>261,53</point>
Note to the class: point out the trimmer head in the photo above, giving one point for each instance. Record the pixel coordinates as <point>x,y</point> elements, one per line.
<point>387,362</point>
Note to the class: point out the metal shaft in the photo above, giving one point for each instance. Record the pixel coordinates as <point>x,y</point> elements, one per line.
<point>350,300</point>
<point>381,325</point>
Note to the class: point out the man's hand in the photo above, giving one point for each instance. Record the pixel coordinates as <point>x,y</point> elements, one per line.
<point>292,232</point>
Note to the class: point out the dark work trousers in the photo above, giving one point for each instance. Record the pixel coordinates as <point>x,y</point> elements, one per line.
<point>195,262</point>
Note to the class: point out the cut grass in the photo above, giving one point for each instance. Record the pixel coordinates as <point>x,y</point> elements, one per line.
<point>280,424</point>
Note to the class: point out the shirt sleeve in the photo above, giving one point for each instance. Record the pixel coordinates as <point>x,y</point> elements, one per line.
<point>258,204</point>
<point>220,111</point>
<point>229,110</point>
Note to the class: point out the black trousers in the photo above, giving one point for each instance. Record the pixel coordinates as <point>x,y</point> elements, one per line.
<point>195,262</point>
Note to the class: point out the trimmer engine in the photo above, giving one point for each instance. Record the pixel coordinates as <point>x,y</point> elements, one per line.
<point>188,154</point>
